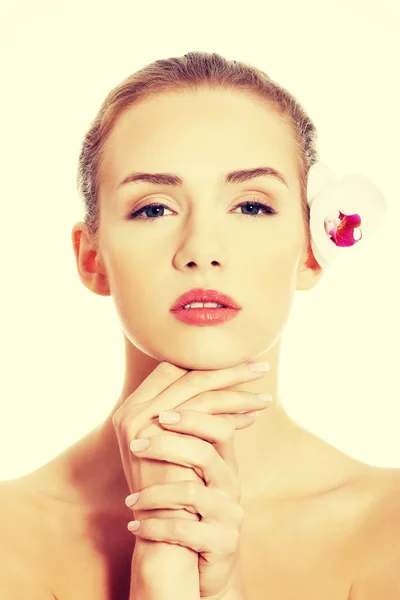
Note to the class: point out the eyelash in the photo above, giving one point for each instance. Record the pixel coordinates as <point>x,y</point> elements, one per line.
<point>267,210</point>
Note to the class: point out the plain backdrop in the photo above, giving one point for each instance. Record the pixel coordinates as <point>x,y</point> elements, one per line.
<point>62,358</point>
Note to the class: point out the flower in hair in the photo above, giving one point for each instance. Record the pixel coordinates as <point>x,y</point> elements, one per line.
<point>342,211</point>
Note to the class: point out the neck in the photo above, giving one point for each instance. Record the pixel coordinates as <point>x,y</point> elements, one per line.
<point>275,456</point>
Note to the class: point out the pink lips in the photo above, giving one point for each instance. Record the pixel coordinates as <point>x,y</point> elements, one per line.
<point>200,295</point>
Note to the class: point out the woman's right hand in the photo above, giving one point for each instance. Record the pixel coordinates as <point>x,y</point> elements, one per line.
<point>169,387</point>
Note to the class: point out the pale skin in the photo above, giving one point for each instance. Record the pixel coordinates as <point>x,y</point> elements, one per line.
<point>146,265</point>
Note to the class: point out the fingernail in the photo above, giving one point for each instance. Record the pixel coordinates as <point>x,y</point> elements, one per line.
<point>259,366</point>
<point>169,416</point>
<point>137,445</point>
<point>266,397</point>
<point>132,499</point>
<point>133,525</point>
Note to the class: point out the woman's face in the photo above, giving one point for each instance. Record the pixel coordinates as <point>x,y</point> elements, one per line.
<point>202,238</point>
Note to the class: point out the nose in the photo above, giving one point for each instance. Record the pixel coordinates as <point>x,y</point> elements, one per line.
<point>203,250</point>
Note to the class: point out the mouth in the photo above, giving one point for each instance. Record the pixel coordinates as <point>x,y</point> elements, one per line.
<point>201,298</point>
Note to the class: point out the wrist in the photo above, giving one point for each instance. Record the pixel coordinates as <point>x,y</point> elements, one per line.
<point>162,571</point>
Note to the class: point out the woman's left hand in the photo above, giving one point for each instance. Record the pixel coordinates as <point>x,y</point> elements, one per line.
<point>216,536</point>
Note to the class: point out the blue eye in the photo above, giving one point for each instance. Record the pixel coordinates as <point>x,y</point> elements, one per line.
<point>265,209</point>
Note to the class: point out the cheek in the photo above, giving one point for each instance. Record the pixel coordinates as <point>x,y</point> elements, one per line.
<point>276,278</point>
<point>278,259</point>
<point>129,277</point>
<point>131,287</point>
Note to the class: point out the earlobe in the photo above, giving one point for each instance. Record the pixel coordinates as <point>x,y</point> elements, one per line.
<point>309,273</point>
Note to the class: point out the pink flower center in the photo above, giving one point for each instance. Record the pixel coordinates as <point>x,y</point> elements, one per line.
<point>341,230</point>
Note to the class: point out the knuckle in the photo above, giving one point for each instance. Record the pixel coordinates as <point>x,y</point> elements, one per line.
<point>239,513</point>
<point>117,418</point>
<point>121,418</point>
<point>124,417</point>
<point>149,431</point>
<point>208,455</point>
<point>231,541</point>
<point>228,430</point>
<point>122,426</point>
<point>176,527</point>
<point>142,433</point>
<point>191,493</point>
<point>148,496</point>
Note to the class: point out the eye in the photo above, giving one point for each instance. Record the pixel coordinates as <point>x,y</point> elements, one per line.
<point>146,208</point>
<point>265,208</point>
<point>152,210</point>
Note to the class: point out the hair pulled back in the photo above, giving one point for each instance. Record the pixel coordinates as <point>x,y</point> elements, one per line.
<point>192,71</point>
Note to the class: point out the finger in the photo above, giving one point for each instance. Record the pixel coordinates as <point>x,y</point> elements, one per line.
<point>200,537</point>
<point>236,406</point>
<point>214,429</point>
<point>162,377</point>
<point>225,450</point>
<point>159,389</point>
<point>216,546</point>
<point>226,401</point>
<point>196,498</point>
<point>211,428</point>
<point>193,453</point>
<point>241,421</point>
<point>215,403</point>
<point>196,382</point>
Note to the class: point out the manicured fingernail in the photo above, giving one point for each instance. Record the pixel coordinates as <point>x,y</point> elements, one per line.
<point>259,366</point>
<point>169,416</point>
<point>133,525</point>
<point>137,445</point>
<point>132,499</point>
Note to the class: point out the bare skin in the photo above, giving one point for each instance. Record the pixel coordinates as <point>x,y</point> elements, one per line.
<point>76,508</point>
<point>297,490</point>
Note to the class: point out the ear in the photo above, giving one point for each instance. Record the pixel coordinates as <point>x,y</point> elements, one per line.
<point>309,272</point>
<point>88,261</point>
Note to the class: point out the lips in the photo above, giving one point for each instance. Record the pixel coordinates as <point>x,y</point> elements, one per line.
<point>200,295</point>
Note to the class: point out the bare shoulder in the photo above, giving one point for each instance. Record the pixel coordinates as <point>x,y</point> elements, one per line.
<point>378,568</point>
<point>384,483</point>
<point>22,572</point>
<point>380,487</point>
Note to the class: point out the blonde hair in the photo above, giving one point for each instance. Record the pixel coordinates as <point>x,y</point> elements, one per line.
<point>191,71</point>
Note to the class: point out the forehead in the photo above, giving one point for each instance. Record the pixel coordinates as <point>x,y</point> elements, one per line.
<point>199,134</point>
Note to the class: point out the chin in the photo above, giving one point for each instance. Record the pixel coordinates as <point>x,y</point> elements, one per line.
<point>206,358</point>
<point>205,364</point>
<point>208,352</point>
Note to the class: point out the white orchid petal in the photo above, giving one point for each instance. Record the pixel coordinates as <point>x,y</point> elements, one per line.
<point>320,175</point>
<point>360,195</point>
<point>353,194</point>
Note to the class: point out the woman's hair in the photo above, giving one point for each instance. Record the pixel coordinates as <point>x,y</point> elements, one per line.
<point>192,71</point>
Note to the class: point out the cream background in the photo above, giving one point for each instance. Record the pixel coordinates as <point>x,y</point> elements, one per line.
<point>61,346</point>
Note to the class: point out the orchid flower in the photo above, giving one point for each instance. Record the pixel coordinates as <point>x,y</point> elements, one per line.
<point>342,211</point>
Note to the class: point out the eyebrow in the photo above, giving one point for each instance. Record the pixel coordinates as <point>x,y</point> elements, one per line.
<point>234,177</point>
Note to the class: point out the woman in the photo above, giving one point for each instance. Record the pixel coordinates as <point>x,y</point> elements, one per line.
<point>283,514</point>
